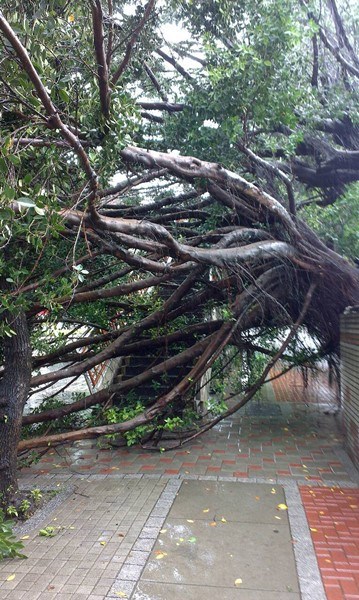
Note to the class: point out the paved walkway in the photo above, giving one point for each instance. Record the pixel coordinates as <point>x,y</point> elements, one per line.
<point>152,526</point>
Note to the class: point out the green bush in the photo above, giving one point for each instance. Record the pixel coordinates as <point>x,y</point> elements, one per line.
<point>9,546</point>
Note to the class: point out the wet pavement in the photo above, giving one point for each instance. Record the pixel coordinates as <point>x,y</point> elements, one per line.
<point>203,518</point>
<point>237,526</point>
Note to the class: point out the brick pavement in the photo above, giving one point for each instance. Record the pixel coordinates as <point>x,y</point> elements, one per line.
<point>115,490</point>
<point>333,516</point>
<point>294,442</point>
<point>305,385</point>
<point>96,527</point>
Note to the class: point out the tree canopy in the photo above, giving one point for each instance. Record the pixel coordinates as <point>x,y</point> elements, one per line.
<point>180,177</point>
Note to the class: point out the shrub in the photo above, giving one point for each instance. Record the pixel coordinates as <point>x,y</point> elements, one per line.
<point>9,546</point>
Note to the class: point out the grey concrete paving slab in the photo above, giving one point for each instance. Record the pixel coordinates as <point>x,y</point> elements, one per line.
<point>255,503</point>
<point>251,545</point>
<point>258,553</point>
<point>165,591</point>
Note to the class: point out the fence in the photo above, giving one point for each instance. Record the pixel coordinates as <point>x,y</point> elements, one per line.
<point>349,347</point>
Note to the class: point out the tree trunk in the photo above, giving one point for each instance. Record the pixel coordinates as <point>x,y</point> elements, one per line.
<point>14,388</point>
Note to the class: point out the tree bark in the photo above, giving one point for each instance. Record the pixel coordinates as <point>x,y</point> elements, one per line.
<point>14,388</point>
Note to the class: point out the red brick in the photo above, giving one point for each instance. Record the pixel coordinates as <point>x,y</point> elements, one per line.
<point>333,593</point>
<point>338,533</point>
<point>349,586</point>
<point>240,474</point>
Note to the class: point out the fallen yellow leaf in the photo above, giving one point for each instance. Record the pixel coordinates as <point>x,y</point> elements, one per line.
<point>206,510</point>
<point>282,507</point>
<point>11,577</point>
<point>223,520</point>
<point>273,491</point>
<point>163,530</point>
<point>213,524</point>
<point>161,555</point>
<point>313,529</point>
<point>103,543</point>
<point>25,537</point>
<point>121,594</point>
<point>279,518</point>
<point>238,582</point>
<point>190,521</point>
<point>71,18</point>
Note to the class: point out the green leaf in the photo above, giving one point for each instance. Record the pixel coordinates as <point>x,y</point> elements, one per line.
<point>64,95</point>
<point>26,202</point>
<point>39,211</point>
<point>8,192</point>
<point>14,159</point>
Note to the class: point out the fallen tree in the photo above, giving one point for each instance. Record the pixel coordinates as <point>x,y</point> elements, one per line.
<point>179,256</point>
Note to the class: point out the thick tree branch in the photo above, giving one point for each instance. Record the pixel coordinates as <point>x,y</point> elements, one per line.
<point>165,105</point>
<point>277,172</point>
<point>102,67</point>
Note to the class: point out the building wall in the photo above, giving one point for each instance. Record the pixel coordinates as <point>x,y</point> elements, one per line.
<point>349,344</point>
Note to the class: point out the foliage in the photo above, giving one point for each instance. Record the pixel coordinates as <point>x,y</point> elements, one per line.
<point>116,414</point>
<point>68,422</point>
<point>337,225</point>
<point>48,531</point>
<point>9,546</point>
<point>24,503</point>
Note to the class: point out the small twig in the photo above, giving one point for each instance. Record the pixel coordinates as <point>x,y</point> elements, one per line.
<point>176,65</point>
<point>155,81</point>
<point>132,42</point>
